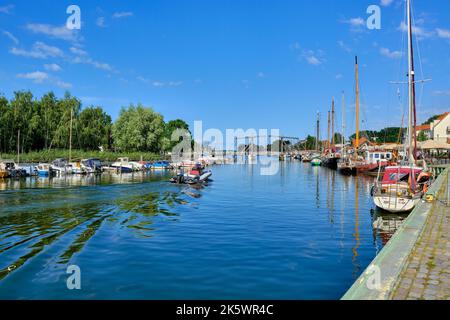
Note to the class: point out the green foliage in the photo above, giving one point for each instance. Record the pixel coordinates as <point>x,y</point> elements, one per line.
<point>386,135</point>
<point>432,119</point>
<point>94,129</point>
<point>167,143</point>
<point>138,129</point>
<point>43,125</point>
<point>422,136</point>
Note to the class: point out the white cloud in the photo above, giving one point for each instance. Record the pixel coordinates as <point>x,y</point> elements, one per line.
<point>94,63</point>
<point>119,15</point>
<point>63,85</point>
<point>52,67</point>
<point>443,33</point>
<point>391,54</point>
<point>11,36</point>
<point>7,9</point>
<point>40,50</point>
<point>36,77</point>
<point>78,51</point>
<point>442,92</point>
<point>356,22</point>
<point>261,74</point>
<point>339,76</point>
<point>53,31</point>
<point>419,32</point>
<point>142,79</point>
<point>166,84</point>
<point>343,46</point>
<point>313,60</point>
<point>100,22</point>
<point>386,3</point>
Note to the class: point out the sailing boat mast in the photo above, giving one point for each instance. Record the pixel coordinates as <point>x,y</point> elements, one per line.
<point>343,122</point>
<point>318,132</point>
<point>70,135</point>
<point>332,123</point>
<point>357,102</point>
<point>328,129</point>
<point>412,141</point>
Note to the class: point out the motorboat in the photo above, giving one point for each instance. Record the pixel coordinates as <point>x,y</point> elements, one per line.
<point>91,165</point>
<point>61,167</point>
<point>44,170</point>
<point>10,169</point>
<point>160,165</point>
<point>123,165</point>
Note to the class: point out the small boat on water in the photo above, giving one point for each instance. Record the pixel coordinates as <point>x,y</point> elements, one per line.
<point>400,188</point>
<point>196,175</point>
<point>123,165</point>
<point>61,167</point>
<point>160,165</point>
<point>44,170</point>
<point>316,162</point>
<point>91,166</point>
<point>10,169</point>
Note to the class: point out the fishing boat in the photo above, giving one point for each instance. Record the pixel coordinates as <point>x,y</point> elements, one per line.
<point>91,166</point>
<point>123,165</point>
<point>44,170</point>
<point>61,167</point>
<point>401,187</point>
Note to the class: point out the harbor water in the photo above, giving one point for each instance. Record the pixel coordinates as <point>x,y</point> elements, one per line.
<point>303,233</point>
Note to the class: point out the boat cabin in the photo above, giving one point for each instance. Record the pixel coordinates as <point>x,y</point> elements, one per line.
<point>374,157</point>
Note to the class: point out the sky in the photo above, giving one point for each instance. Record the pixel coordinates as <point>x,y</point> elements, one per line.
<point>231,64</point>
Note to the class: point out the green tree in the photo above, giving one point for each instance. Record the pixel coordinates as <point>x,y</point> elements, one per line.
<point>422,136</point>
<point>138,129</point>
<point>169,128</point>
<point>94,128</point>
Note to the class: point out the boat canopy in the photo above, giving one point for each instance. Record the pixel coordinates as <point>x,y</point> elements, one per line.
<point>393,175</point>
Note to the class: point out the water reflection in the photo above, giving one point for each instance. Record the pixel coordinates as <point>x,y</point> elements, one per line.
<point>82,180</point>
<point>80,216</point>
<point>385,225</point>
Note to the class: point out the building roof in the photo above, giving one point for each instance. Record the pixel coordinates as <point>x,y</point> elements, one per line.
<point>442,116</point>
<point>424,127</point>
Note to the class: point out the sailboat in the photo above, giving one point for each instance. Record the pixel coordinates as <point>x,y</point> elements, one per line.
<point>401,187</point>
<point>347,165</point>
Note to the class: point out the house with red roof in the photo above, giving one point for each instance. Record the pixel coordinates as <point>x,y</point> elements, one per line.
<point>440,128</point>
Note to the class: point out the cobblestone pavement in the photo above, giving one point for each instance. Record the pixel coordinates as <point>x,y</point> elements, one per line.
<point>427,275</point>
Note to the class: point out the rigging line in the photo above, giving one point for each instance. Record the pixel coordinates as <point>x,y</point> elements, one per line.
<point>420,63</point>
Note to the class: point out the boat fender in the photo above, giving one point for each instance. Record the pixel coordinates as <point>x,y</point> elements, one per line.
<point>372,191</point>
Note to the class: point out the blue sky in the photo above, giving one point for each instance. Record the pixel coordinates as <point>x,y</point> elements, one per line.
<point>232,64</point>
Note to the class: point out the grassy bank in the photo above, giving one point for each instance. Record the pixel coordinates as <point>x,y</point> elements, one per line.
<point>48,156</point>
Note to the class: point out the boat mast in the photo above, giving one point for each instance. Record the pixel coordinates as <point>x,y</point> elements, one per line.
<point>318,132</point>
<point>328,129</point>
<point>70,135</point>
<point>332,123</point>
<point>357,102</point>
<point>343,123</point>
<point>412,141</point>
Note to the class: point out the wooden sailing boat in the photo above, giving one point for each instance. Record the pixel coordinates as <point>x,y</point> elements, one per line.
<point>401,187</point>
<point>348,163</point>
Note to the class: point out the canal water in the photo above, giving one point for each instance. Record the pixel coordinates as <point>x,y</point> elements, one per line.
<point>304,233</point>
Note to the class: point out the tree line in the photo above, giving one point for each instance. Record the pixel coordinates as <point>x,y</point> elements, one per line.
<point>30,124</point>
